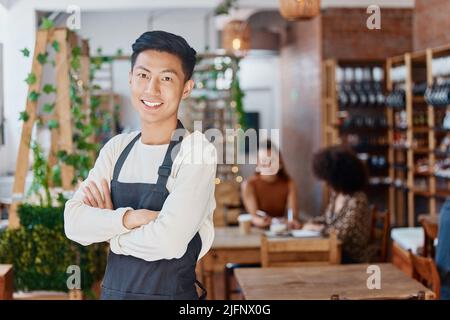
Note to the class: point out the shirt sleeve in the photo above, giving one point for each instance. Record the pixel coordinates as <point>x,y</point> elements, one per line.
<point>85,224</point>
<point>188,207</point>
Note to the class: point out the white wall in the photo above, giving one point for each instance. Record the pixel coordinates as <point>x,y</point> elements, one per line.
<point>2,40</point>
<point>108,29</point>
<point>260,80</point>
<point>17,32</point>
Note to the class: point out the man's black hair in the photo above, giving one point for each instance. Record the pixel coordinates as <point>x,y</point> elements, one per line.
<point>166,42</point>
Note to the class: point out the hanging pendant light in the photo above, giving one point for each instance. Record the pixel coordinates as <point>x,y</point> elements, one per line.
<point>236,37</point>
<point>299,9</point>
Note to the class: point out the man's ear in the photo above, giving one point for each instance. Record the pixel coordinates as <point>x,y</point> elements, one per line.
<point>188,86</point>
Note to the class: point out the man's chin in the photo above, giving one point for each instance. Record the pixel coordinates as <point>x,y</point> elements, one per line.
<point>155,118</point>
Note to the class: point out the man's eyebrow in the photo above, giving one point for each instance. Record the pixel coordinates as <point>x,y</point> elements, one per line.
<point>143,68</point>
<point>170,71</point>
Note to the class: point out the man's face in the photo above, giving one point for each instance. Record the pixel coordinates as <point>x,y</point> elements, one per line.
<point>157,84</point>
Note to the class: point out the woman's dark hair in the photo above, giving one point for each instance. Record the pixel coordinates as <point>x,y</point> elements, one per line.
<point>282,173</point>
<point>340,168</point>
<point>166,42</point>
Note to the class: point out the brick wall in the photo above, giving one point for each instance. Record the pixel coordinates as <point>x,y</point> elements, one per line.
<point>300,73</point>
<point>346,36</point>
<point>431,27</point>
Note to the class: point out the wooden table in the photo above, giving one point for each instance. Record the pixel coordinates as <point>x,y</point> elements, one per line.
<point>320,283</point>
<point>229,246</point>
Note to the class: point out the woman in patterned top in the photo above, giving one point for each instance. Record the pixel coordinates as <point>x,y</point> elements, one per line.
<point>348,210</point>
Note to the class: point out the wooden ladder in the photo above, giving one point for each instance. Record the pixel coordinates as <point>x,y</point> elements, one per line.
<point>61,137</point>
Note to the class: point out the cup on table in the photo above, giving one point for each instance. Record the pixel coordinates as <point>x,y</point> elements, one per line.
<point>277,226</point>
<point>245,223</point>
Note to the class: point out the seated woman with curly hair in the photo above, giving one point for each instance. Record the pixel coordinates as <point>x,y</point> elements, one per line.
<point>348,210</point>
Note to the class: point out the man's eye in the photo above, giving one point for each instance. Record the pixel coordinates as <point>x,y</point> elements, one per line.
<point>167,78</point>
<point>142,76</point>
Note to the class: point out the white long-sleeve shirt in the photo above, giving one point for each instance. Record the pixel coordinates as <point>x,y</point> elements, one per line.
<point>187,210</point>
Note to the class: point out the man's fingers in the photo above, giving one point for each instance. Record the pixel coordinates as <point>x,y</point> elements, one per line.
<point>107,194</point>
<point>97,194</point>
<point>87,202</point>
<point>90,197</point>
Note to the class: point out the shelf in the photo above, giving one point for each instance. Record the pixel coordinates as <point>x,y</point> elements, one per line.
<point>400,148</point>
<point>400,129</point>
<point>422,193</point>
<point>419,99</point>
<point>369,146</point>
<point>419,56</point>
<point>362,131</point>
<point>422,174</point>
<point>442,51</point>
<point>405,188</point>
<point>442,193</point>
<point>441,154</point>
<point>398,60</point>
<point>442,177</point>
<point>421,150</point>
<point>441,130</point>
<point>400,167</point>
<point>421,129</point>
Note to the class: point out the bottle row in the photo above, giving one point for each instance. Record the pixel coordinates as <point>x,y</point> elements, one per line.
<point>360,122</point>
<point>437,95</point>
<point>360,87</point>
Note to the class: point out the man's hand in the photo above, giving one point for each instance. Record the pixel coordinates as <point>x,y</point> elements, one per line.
<point>97,199</point>
<point>102,199</point>
<point>136,218</point>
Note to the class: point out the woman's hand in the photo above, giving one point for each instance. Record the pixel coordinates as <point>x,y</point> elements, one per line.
<point>261,222</point>
<point>136,218</point>
<point>313,227</point>
<point>96,198</point>
<point>294,224</point>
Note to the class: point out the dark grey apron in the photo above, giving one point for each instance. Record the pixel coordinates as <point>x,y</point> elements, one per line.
<point>128,277</point>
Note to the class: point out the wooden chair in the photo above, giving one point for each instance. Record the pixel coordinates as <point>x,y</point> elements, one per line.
<point>379,236</point>
<point>431,233</point>
<point>425,271</point>
<point>228,209</point>
<point>6,282</point>
<point>288,252</point>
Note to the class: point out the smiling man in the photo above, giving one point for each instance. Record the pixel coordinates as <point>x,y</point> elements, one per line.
<point>146,195</point>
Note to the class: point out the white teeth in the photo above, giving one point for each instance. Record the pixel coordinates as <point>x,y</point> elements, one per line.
<point>150,104</point>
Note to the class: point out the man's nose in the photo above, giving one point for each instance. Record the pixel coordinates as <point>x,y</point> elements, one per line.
<point>152,87</point>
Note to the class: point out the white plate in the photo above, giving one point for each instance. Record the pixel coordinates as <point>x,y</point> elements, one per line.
<point>271,234</point>
<point>305,233</point>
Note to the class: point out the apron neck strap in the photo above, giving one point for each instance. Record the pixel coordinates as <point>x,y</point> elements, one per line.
<point>165,169</point>
<point>123,156</point>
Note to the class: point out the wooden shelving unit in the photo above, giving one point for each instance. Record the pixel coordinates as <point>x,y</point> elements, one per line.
<point>442,183</point>
<point>416,188</point>
<point>371,140</point>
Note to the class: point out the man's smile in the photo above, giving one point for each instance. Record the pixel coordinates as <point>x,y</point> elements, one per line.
<point>152,104</point>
